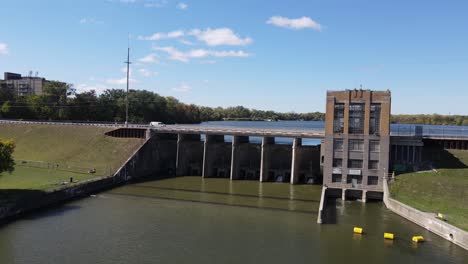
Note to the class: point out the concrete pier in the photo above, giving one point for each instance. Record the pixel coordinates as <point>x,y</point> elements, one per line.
<point>364,196</point>
<point>210,156</point>
<point>235,155</point>
<point>265,157</point>
<point>295,162</point>
<point>189,157</point>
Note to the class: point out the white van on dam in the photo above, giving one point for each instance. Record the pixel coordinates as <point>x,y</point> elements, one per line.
<point>157,124</point>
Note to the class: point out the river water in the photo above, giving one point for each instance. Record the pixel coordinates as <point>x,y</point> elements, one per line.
<point>195,220</point>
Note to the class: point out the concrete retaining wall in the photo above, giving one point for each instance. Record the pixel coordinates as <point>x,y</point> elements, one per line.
<point>321,211</point>
<point>426,220</point>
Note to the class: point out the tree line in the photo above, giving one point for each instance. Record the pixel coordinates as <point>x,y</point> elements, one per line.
<point>433,119</point>
<point>60,101</point>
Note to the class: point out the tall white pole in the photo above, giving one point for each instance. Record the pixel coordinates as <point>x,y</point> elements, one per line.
<point>126,96</point>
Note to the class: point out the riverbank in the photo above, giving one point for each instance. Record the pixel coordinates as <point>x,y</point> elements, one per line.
<point>426,220</point>
<point>55,163</point>
<point>71,148</point>
<point>442,190</point>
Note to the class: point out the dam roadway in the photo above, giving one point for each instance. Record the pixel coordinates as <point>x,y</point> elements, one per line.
<point>450,135</point>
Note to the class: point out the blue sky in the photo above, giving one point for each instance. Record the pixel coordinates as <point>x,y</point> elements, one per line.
<point>279,55</point>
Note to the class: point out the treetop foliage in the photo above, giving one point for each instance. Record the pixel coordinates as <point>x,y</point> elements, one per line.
<point>60,101</point>
<point>6,156</point>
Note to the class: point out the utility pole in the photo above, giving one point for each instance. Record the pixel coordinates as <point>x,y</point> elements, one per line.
<point>128,75</point>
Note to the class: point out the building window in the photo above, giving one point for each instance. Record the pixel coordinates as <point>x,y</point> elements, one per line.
<point>356,118</point>
<point>373,164</point>
<point>356,145</point>
<point>337,163</point>
<point>374,145</point>
<point>372,180</point>
<point>338,145</point>
<point>355,164</point>
<point>374,119</point>
<point>338,118</point>
<point>354,179</point>
<point>336,177</point>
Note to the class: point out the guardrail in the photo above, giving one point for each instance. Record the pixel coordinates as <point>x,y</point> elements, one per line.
<point>424,131</point>
<point>430,131</point>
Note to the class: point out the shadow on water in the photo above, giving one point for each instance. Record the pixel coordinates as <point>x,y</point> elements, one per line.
<point>51,212</point>
<point>15,200</point>
<point>217,203</point>
<point>330,212</point>
<point>216,191</point>
<point>223,193</point>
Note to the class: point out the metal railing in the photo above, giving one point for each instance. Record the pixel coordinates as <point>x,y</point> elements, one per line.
<point>426,131</point>
<point>430,131</point>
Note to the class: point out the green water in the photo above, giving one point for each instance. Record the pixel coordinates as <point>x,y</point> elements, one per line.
<point>191,220</point>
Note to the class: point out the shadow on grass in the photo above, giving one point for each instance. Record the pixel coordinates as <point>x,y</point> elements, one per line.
<point>441,158</point>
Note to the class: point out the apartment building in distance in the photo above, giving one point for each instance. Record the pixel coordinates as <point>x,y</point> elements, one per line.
<point>355,150</point>
<point>22,85</point>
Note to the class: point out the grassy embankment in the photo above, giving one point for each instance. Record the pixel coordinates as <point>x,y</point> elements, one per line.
<point>76,149</point>
<point>444,191</point>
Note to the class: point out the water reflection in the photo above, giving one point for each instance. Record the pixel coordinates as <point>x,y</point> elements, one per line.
<point>194,220</point>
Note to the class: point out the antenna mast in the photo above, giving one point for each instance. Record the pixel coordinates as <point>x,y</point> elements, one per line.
<point>128,75</point>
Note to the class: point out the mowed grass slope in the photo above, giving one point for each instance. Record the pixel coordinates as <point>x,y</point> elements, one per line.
<point>444,191</point>
<point>71,147</point>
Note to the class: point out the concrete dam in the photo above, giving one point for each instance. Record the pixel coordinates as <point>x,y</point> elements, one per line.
<point>209,152</point>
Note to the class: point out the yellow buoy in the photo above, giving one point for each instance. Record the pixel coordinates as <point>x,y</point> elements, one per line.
<point>388,236</point>
<point>358,230</point>
<point>441,216</point>
<point>418,239</point>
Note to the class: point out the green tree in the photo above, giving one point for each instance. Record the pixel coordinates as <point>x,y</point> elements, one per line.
<point>6,156</point>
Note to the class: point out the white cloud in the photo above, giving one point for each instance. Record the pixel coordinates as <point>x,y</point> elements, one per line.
<point>145,3</point>
<point>186,42</point>
<point>150,58</point>
<point>294,23</point>
<point>182,6</point>
<point>155,3</point>
<point>207,62</point>
<point>182,88</point>
<point>3,48</point>
<point>175,54</point>
<point>84,87</point>
<point>124,70</point>
<point>147,73</point>
<point>121,81</point>
<point>159,36</point>
<point>90,20</point>
<point>220,36</point>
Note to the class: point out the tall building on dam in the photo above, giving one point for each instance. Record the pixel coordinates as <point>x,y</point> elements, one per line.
<point>356,147</point>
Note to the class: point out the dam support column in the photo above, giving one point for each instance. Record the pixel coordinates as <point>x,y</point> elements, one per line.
<point>235,155</point>
<point>179,169</point>
<point>188,153</point>
<point>297,142</point>
<point>364,196</point>
<point>209,153</point>
<point>265,157</point>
